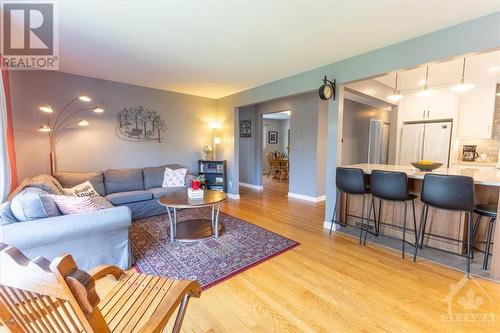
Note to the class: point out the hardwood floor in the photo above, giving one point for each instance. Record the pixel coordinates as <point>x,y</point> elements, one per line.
<point>332,284</point>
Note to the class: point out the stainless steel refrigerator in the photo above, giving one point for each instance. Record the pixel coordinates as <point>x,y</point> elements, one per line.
<point>425,141</point>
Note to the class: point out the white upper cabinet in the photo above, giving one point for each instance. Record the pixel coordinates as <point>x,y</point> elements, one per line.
<point>477,108</point>
<point>442,104</point>
<point>413,107</point>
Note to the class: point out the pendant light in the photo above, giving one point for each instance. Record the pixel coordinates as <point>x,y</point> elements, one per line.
<point>396,96</point>
<point>426,92</point>
<point>462,86</point>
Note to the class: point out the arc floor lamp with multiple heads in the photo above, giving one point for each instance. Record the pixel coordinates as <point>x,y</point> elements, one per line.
<point>65,118</point>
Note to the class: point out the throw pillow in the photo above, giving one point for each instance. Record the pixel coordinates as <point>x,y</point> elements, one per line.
<point>33,204</point>
<point>85,189</point>
<point>74,205</point>
<point>174,178</point>
<point>101,202</point>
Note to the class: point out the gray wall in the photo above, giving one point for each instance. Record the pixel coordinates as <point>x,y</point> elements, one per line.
<point>356,130</point>
<point>307,123</point>
<point>249,149</point>
<point>97,146</point>
<point>308,142</point>
<point>473,36</point>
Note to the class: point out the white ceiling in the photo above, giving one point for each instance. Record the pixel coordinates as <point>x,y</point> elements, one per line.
<point>277,115</point>
<point>216,48</point>
<point>480,69</point>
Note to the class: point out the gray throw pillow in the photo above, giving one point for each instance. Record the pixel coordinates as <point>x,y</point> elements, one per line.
<point>33,204</point>
<point>6,216</point>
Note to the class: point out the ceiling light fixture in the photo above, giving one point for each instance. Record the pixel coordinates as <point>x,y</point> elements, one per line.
<point>396,96</point>
<point>98,110</point>
<point>46,109</point>
<point>426,92</point>
<point>462,86</point>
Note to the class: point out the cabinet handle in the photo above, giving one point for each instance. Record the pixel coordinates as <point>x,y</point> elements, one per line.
<point>423,114</point>
<point>428,112</point>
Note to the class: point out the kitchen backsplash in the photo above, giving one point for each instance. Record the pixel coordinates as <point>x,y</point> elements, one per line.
<point>488,146</point>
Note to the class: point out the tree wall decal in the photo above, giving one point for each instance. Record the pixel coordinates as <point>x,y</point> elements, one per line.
<point>140,124</point>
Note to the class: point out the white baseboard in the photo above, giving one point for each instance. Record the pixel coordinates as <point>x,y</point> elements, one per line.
<point>306,197</point>
<point>233,196</point>
<point>252,186</point>
<point>327,224</point>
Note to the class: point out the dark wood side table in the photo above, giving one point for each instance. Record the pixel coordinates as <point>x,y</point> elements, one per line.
<point>196,229</point>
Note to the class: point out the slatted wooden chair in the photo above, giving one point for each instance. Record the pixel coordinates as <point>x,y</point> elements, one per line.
<point>40,296</point>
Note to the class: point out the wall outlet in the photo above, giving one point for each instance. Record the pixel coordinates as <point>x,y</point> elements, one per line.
<point>230,184</point>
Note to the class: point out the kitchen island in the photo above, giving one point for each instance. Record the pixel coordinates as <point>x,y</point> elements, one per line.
<point>446,230</point>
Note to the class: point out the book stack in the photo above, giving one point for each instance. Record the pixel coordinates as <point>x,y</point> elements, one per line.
<point>194,194</point>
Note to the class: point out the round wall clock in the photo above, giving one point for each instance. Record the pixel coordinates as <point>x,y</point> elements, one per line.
<point>327,90</point>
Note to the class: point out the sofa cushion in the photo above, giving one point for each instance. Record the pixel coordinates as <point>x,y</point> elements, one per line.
<point>153,176</point>
<point>71,179</point>
<point>6,215</point>
<point>128,197</point>
<point>46,183</point>
<point>123,180</point>
<point>158,192</point>
<point>33,204</point>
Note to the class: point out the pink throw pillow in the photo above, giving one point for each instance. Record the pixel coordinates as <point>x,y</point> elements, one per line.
<point>74,205</point>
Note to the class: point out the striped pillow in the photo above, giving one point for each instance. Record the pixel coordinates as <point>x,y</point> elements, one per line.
<point>74,205</point>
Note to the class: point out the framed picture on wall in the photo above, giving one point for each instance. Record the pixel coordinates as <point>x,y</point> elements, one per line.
<point>272,137</point>
<point>246,128</point>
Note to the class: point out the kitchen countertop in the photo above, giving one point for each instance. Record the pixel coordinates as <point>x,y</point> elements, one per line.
<point>481,177</point>
<point>478,163</point>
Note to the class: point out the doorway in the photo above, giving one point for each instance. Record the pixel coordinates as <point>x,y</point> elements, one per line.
<point>276,150</point>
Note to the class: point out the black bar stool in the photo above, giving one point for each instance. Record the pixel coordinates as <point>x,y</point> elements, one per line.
<point>489,211</point>
<point>350,181</point>
<point>393,186</point>
<point>455,193</point>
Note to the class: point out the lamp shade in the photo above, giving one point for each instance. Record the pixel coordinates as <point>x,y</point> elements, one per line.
<point>46,109</point>
<point>84,98</point>
<point>43,128</point>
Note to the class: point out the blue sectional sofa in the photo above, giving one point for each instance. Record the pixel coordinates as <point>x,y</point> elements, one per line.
<point>138,189</point>
<point>92,238</point>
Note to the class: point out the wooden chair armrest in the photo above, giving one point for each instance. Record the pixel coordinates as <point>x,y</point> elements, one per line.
<point>103,270</point>
<point>167,307</point>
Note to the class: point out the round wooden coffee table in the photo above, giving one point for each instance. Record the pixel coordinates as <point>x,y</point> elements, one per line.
<point>197,229</point>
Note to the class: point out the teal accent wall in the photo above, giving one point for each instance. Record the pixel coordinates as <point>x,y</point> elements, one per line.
<point>476,35</point>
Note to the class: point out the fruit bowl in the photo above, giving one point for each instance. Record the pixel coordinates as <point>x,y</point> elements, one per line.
<point>429,166</point>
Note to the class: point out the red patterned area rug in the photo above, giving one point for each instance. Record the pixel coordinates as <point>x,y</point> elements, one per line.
<point>241,246</point>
